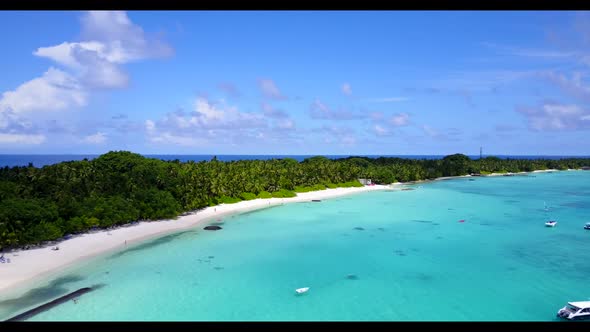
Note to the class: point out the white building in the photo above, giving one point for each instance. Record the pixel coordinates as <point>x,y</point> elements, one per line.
<point>365,182</point>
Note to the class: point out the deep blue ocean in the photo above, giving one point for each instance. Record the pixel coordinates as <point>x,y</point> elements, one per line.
<point>40,160</point>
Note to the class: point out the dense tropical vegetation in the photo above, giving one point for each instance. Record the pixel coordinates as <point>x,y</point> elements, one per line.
<point>44,204</point>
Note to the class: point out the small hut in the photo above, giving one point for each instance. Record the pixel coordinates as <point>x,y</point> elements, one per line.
<point>365,182</point>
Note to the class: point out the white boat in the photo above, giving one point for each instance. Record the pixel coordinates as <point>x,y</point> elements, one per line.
<point>587,226</point>
<point>551,223</point>
<point>575,310</point>
<point>301,290</point>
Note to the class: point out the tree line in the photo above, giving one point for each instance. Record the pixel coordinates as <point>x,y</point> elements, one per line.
<point>45,204</point>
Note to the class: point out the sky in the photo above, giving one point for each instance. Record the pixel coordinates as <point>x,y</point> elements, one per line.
<point>295,82</point>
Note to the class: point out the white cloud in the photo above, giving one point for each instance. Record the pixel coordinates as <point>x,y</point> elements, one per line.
<point>319,110</point>
<point>69,53</point>
<point>552,116</point>
<point>320,107</point>
<point>109,40</point>
<point>208,115</point>
<point>210,112</point>
<point>93,63</point>
<point>114,40</point>
<point>281,118</point>
<point>286,124</point>
<point>574,86</point>
<point>150,126</point>
<point>401,119</point>
<point>62,53</point>
<point>207,122</point>
<point>168,138</point>
<point>99,72</point>
<point>17,129</point>
<point>384,128</point>
<point>124,40</point>
<point>339,135</point>
<point>380,131</point>
<point>269,89</point>
<point>271,112</point>
<point>33,139</point>
<point>97,138</point>
<point>347,89</point>
<point>56,90</point>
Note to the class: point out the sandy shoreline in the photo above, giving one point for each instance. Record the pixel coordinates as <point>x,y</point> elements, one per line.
<point>442,178</point>
<point>26,266</point>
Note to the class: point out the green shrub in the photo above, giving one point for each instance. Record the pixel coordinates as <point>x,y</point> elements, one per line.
<point>248,196</point>
<point>301,189</point>
<point>315,187</point>
<point>348,184</point>
<point>283,193</point>
<point>229,200</point>
<point>318,187</point>
<point>264,194</point>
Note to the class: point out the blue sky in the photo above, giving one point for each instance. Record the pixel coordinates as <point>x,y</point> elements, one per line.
<point>283,82</point>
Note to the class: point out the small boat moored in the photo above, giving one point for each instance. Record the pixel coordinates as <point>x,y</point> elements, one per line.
<point>551,223</point>
<point>301,290</point>
<point>587,226</point>
<point>575,311</point>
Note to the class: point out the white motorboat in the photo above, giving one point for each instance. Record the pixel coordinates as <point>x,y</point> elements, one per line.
<point>575,310</point>
<point>587,226</point>
<point>301,290</point>
<point>551,223</point>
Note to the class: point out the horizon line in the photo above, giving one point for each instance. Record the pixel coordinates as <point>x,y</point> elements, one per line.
<point>325,154</point>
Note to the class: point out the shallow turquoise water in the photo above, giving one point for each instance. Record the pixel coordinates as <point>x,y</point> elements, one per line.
<point>412,260</point>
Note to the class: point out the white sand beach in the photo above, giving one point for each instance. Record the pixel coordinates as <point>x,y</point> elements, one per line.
<point>28,265</point>
<point>510,173</point>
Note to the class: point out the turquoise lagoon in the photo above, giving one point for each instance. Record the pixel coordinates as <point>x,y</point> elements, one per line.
<point>376,256</point>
